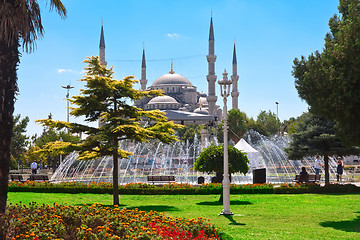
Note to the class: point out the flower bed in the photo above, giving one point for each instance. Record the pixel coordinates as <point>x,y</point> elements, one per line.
<point>178,188</point>
<point>35,221</point>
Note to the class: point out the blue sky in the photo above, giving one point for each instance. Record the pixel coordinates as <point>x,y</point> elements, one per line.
<point>269,34</point>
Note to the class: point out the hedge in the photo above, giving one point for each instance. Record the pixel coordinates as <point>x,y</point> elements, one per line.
<point>176,188</point>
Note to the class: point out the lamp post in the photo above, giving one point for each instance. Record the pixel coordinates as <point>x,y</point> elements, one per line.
<point>61,154</point>
<point>68,87</point>
<point>277,116</point>
<point>225,85</point>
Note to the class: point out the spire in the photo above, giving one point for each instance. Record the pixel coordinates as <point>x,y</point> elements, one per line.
<point>143,80</point>
<point>235,78</point>
<point>171,70</point>
<point>102,46</point>
<point>211,34</point>
<point>234,55</point>
<point>211,77</point>
<point>143,64</point>
<point>102,38</point>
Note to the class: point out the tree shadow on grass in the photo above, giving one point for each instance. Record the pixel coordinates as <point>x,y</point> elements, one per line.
<point>218,203</point>
<point>346,226</point>
<point>158,208</point>
<point>232,221</point>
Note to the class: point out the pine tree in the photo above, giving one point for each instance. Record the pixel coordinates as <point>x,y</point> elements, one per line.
<point>106,99</point>
<point>316,136</point>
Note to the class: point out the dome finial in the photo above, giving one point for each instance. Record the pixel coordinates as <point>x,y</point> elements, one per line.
<point>171,70</point>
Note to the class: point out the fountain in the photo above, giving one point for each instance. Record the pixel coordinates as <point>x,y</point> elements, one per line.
<point>177,159</point>
<point>279,168</point>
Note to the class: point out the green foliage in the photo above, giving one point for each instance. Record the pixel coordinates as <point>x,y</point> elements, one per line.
<point>289,126</point>
<point>258,127</point>
<point>330,81</point>
<point>49,157</point>
<point>19,140</point>
<point>238,124</point>
<point>211,159</point>
<point>269,120</point>
<point>106,99</point>
<point>316,136</point>
<point>179,188</point>
<point>188,132</point>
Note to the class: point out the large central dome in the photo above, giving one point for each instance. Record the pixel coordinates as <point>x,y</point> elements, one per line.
<point>171,79</point>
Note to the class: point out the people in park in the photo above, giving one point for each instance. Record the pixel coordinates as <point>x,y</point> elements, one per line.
<point>339,169</point>
<point>304,175</point>
<point>33,167</point>
<point>317,165</point>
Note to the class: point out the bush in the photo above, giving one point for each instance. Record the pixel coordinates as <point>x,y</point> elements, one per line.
<point>178,188</point>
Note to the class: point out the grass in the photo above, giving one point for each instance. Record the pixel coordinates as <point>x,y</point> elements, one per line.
<point>256,216</point>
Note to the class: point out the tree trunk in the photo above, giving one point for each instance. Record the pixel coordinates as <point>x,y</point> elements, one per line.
<point>326,168</point>
<point>9,60</point>
<point>116,176</point>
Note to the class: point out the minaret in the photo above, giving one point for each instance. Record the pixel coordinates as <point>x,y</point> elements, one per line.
<point>102,47</point>
<point>143,80</point>
<point>234,78</point>
<point>211,77</point>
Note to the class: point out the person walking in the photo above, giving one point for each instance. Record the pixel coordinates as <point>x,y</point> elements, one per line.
<point>317,165</point>
<point>33,167</point>
<point>339,169</point>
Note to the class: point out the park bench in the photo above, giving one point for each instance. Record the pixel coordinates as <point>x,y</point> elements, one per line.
<point>38,178</point>
<point>312,178</point>
<point>17,178</point>
<point>160,179</point>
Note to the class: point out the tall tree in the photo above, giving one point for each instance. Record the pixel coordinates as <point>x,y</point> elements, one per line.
<point>269,120</point>
<point>20,24</point>
<point>238,124</point>
<point>316,136</point>
<point>329,81</point>
<point>106,99</point>
<point>19,140</point>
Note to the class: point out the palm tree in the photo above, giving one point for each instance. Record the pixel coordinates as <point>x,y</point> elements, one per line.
<point>20,24</point>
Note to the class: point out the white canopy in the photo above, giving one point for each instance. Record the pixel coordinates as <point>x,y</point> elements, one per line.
<point>252,154</point>
<point>243,146</point>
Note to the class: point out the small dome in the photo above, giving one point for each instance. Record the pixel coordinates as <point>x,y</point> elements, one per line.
<point>203,101</point>
<point>201,111</point>
<point>171,79</point>
<point>162,100</point>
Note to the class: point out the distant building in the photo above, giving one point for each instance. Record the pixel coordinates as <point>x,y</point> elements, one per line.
<point>181,100</point>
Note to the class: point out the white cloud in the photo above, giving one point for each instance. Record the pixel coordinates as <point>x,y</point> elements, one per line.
<point>61,70</point>
<point>173,35</point>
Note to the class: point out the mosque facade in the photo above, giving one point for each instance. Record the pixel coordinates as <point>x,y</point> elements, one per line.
<point>181,101</point>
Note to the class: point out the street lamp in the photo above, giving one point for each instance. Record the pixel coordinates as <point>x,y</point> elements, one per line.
<point>61,154</point>
<point>68,87</point>
<point>277,116</point>
<point>225,85</point>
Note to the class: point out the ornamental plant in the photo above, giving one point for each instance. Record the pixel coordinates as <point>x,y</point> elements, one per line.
<point>67,222</point>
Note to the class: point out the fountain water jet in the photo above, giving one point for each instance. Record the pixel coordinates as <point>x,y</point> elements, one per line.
<point>178,159</point>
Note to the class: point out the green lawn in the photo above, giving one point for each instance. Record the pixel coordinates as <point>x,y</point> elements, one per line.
<point>256,216</point>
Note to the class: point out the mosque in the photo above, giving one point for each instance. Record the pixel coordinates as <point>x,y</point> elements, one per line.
<point>181,101</point>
